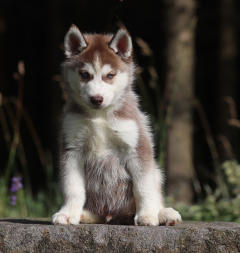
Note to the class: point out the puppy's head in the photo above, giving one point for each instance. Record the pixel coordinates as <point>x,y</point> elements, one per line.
<point>98,68</point>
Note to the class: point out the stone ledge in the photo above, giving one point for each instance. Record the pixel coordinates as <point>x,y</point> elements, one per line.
<point>19,235</point>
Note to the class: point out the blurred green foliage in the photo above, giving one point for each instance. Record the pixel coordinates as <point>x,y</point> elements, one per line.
<point>44,204</point>
<point>216,206</point>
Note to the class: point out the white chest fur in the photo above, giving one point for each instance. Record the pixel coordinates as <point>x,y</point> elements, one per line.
<point>100,135</point>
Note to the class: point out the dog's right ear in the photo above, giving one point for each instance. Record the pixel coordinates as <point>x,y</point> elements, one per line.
<point>74,42</point>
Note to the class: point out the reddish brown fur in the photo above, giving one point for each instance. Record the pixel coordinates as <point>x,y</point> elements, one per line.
<point>129,110</point>
<point>97,44</point>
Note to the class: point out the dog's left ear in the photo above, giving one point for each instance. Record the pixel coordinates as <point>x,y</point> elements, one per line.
<point>121,43</point>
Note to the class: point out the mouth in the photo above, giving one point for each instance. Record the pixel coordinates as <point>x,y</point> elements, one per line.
<point>97,107</point>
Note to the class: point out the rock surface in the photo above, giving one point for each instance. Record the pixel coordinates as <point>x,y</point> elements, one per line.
<point>18,235</point>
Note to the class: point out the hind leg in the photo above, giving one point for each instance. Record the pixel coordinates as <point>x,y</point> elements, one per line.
<point>90,218</point>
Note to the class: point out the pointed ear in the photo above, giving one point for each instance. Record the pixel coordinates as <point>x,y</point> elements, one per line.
<point>74,42</point>
<point>121,43</point>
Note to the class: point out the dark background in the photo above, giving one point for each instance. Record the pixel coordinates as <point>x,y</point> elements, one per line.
<point>33,31</point>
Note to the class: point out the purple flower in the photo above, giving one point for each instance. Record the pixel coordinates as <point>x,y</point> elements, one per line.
<point>13,200</point>
<point>16,184</point>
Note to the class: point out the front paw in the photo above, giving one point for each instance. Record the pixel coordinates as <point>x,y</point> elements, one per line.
<point>146,220</point>
<point>65,218</point>
<point>169,216</point>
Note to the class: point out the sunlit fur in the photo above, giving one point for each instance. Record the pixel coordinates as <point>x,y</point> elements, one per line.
<point>106,151</point>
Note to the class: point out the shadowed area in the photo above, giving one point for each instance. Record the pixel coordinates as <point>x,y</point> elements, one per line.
<point>38,221</point>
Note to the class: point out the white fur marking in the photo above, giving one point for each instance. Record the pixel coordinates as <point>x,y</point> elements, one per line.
<point>106,69</point>
<point>97,64</point>
<point>127,130</point>
<point>89,68</point>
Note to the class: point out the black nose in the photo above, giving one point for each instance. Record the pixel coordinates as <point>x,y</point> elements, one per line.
<point>96,100</point>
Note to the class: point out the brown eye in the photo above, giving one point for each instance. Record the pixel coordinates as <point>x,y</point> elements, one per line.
<point>110,75</point>
<point>84,75</point>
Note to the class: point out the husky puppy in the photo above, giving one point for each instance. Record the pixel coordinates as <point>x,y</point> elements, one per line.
<point>106,156</point>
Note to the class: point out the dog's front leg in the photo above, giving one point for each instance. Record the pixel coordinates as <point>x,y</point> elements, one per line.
<point>147,193</point>
<point>150,210</point>
<point>73,185</point>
